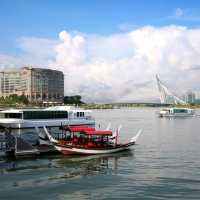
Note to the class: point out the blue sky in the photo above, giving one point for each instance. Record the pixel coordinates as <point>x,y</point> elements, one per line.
<point>107,48</point>
<point>27,18</point>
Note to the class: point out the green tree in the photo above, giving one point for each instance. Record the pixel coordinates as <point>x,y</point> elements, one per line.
<point>73,100</point>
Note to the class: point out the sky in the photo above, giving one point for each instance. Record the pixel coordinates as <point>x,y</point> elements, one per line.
<point>109,51</point>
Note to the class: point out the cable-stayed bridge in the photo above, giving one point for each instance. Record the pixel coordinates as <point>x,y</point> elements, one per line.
<point>166,96</point>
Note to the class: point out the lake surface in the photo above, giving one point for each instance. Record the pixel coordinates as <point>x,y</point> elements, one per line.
<point>165,164</point>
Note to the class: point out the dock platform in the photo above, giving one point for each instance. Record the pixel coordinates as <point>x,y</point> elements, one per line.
<point>17,147</point>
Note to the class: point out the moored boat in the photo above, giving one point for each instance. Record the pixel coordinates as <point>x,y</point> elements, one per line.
<point>22,122</point>
<point>87,140</point>
<point>52,117</point>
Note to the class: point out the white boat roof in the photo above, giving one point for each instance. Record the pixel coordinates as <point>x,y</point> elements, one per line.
<point>53,108</point>
<point>12,111</point>
<point>67,108</point>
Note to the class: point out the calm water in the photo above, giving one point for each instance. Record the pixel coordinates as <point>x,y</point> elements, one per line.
<point>164,164</point>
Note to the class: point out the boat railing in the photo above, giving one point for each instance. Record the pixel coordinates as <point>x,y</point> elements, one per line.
<point>89,118</point>
<point>81,118</point>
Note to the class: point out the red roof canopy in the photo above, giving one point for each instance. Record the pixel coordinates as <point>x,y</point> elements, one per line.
<point>88,130</point>
<point>81,129</point>
<point>105,133</point>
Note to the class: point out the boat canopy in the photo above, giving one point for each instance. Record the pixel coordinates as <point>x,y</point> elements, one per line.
<point>88,130</point>
<point>105,133</point>
<point>80,129</point>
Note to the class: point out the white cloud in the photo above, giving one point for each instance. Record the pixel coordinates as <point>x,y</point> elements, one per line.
<point>37,51</point>
<point>122,67</point>
<point>39,47</point>
<point>33,51</point>
<point>185,15</point>
<point>7,61</point>
<point>73,46</point>
<point>179,12</point>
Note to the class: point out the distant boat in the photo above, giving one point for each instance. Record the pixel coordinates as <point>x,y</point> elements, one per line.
<point>176,112</point>
<point>87,140</point>
<point>167,97</point>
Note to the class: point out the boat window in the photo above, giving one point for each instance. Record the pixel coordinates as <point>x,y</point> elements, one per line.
<point>13,115</point>
<point>81,114</point>
<point>45,114</point>
<point>166,110</point>
<point>2,115</point>
<point>180,111</point>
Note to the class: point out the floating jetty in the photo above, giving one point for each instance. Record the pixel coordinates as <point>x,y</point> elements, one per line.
<point>16,147</point>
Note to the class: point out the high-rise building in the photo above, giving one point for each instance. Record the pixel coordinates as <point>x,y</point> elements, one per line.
<point>44,85</point>
<point>190,97</point>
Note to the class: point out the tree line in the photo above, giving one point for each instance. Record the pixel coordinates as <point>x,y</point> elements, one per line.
<point>13,99</point>
<point>22,99</point>
<point>76,99</point>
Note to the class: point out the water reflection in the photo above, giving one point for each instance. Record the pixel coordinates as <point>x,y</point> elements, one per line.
<point>68,166</point>
<point>93,164</point>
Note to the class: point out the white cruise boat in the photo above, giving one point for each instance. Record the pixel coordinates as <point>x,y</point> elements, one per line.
<point>51,117</point>
<point>176,112</point>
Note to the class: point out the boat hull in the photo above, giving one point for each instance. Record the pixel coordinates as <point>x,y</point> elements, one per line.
<point>175,115</point>
<point>74,150</point>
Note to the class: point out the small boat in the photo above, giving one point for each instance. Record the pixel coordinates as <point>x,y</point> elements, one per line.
<point>176,112</point>
<point>88,140</point>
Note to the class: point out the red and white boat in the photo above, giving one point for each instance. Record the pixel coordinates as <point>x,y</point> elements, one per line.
<point>88,140</point>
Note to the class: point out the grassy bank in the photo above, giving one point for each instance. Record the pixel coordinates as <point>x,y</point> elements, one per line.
<point>90,105</point>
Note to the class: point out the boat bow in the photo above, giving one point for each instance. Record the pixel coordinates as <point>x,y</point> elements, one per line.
<point>49,136</point>
<point>134,139</point>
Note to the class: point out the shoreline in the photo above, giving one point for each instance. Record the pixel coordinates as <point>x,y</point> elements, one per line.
<point>100,106</point>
